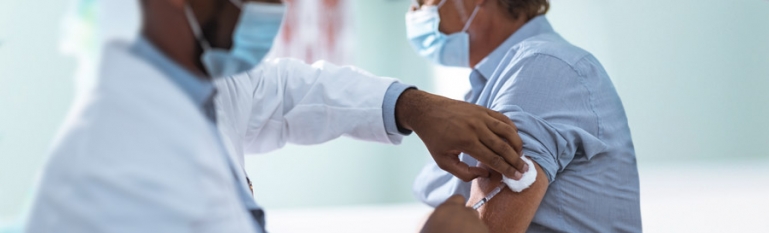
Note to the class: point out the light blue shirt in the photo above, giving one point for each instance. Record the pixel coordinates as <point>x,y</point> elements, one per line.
<point>200,91</point>
<point>572,123</point>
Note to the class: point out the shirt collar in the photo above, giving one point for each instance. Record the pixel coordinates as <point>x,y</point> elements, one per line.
<point>200,90</point>
<point>536,26</point>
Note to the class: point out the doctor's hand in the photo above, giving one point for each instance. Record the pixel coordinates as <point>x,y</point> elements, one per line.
<point>449,127</point>
<point>454,217</point>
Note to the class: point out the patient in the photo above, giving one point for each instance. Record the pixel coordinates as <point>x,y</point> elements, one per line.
<point>567,111</point>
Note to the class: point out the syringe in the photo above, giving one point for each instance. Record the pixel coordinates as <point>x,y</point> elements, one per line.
<point>488,197</point>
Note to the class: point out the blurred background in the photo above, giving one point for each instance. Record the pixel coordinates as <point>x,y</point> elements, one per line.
<point>693,76</point>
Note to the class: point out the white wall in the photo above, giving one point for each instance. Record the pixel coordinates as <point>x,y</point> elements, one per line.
<point>345,171</point>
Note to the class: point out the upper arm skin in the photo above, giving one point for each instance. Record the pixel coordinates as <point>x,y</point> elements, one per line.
<point>508,211</point>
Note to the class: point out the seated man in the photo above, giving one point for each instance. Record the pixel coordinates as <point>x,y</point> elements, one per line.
<point>568,114</point>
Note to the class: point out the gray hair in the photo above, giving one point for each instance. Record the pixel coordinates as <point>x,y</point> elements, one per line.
<point>526,8</point>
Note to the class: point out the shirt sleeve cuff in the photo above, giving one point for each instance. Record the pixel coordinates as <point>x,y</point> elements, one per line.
<point>388,108</point>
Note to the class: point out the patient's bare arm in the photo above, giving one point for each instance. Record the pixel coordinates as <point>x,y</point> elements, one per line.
<point>508,211</point>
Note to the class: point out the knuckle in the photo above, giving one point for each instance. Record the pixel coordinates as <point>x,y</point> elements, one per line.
<point>503,147</point>
<point>497,124</point>
<point>471,126</point>
<point>500,115</point>
<point>497,161</point>
<point>510,128</point>
<point>507,120</point>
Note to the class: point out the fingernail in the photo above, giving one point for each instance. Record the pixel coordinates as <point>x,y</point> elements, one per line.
<point>526,167</point>
<point>518,175</point>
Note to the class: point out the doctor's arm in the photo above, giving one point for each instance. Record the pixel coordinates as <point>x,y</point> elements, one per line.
<point>287,101</point>
<point>450,127</point>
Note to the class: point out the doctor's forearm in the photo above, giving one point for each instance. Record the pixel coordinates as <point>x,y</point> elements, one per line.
<point>393,93</point>
<point>407,107</point>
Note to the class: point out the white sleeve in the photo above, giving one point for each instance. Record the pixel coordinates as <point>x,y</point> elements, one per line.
<point>287,100</point>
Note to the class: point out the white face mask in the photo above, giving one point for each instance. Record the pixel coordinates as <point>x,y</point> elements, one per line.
<point>254,34</point>
<point>425,37</point>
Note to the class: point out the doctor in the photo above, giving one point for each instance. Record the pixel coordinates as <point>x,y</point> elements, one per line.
<point>141,152</point>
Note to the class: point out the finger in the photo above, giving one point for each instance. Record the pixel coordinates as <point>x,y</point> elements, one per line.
<point>501,117</point>
<point>497,163</point>
<point>477,172</point>
<point>512,137</point>
<point>504,148</point>
<point>452,164</point>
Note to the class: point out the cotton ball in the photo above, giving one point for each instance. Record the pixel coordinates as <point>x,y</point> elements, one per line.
<point>527,179</point>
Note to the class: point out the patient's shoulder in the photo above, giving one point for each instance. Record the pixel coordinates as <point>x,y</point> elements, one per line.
<point>550,45</point>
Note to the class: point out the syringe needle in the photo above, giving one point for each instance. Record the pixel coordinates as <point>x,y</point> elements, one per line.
<point>488,197</point>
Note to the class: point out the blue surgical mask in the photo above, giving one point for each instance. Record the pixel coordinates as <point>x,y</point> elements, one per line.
<point>425,37</point>
<point>254,34</point>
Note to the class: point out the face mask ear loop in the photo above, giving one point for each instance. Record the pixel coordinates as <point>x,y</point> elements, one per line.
<point>470,20</point>
<point>459,5</point>
<point>196,28</point>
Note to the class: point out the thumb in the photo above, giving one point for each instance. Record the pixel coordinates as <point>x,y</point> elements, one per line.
<point>460,169</point>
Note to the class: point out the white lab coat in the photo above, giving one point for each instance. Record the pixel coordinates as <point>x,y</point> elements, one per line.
<point>286,100</point>
<point>137,155</point>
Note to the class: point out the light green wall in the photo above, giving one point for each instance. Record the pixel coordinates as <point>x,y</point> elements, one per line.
<point>693,76</point>
<point>347,171</point>
<point>35,92</point>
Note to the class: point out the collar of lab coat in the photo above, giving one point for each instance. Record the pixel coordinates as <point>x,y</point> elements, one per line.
<point>197,88</point>
<point>128,76</point>
<point>201,91</point>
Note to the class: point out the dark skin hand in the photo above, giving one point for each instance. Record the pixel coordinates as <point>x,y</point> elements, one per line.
<point>453,217</point>
<point>449,127</point>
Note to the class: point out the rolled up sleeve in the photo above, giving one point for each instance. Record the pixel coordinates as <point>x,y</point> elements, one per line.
<point>551,106</point>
